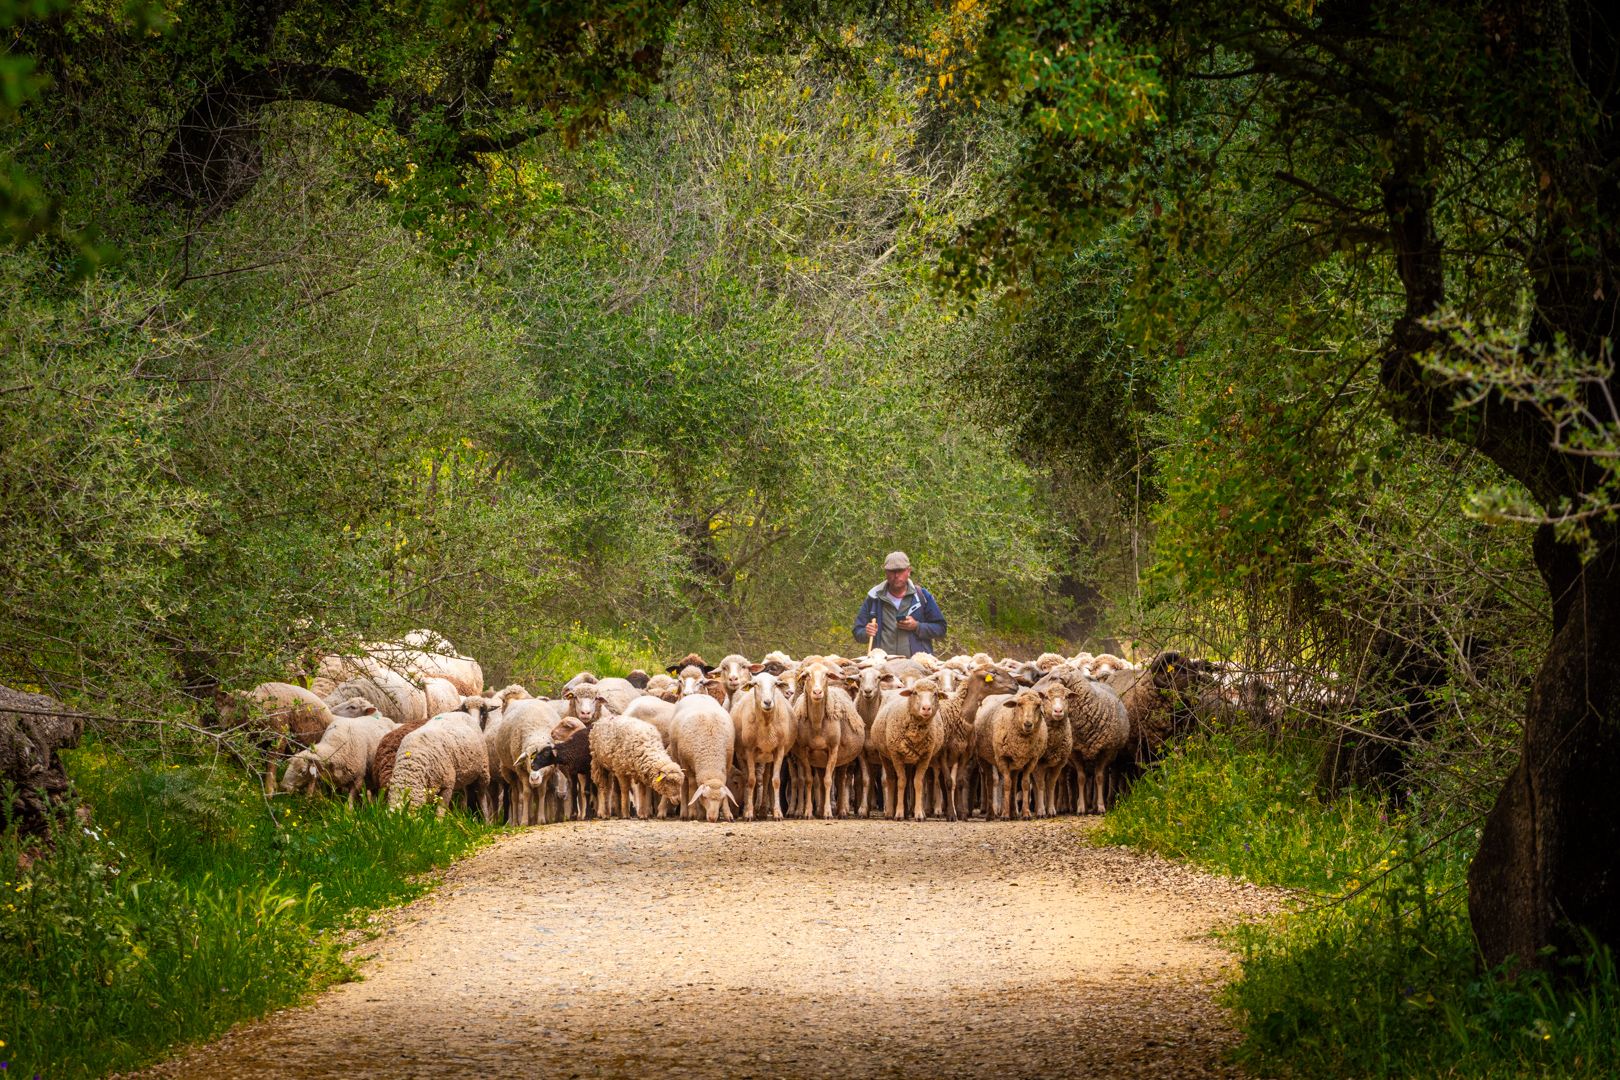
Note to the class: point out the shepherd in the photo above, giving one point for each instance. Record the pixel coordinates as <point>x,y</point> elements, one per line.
<point>899,616</point>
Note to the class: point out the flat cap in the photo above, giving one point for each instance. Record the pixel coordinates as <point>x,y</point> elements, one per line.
<point>897,561</point>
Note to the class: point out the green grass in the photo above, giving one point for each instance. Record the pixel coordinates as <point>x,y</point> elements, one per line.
<point>582,649</point>
<point>181,909</point>
<point>1373,972</point>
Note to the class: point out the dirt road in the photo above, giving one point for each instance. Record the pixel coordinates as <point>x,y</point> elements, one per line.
<point>826,949</point>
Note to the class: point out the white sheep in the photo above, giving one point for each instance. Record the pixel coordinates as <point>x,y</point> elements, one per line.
<point>438,759</point>
<point>1054,760</point>
<point>341,758</point>
<point>630,753</point>
<point>911,731</point>
<point>830,733</point>
<point>733,671</point>
<point>285,713</point>
<point>960,711</point>
<point>617,694</point>
<point>585,703</point>
<point>522,730</point>
<point>394,695</point>
<point>1010,736</point>
<point>442,695</point>
<point>1100,727</point>
<point>662,686</point>
<point>763,717</point>
<point>702,741</point>
<point>656,711</point>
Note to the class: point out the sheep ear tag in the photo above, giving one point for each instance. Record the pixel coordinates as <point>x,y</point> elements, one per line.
<point>658,779</point>
<point>989,678</point>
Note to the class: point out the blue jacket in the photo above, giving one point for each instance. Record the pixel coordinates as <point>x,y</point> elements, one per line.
<point>919,603</point>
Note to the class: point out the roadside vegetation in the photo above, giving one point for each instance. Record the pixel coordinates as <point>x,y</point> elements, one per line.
<point>1373,971</point>
<point>180,905</point>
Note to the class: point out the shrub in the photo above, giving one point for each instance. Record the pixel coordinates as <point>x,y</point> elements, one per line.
<point>177,907</point>
<point>1375,974</point>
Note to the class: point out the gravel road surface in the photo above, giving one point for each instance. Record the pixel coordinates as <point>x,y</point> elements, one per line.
<point>767,949</point>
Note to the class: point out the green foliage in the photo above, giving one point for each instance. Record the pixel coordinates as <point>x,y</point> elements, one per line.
<point>181,908</point>
<point>583,650</point>
<point>1373,970</point>
<point>1251,810</point>
<point>728,345</point>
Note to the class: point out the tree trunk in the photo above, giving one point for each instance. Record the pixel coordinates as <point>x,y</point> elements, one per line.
<point>33,728</point>
<point>1547,862</point>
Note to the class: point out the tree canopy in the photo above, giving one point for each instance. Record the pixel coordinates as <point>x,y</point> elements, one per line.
<point>1277,330</point>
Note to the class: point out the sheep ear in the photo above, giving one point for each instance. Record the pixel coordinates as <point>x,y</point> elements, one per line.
<point>1010,703</point>
<point>569,696</point>
<point>703,789</point>
<point>726,791</point>
<point>755,669</point>
<point>906,691</point>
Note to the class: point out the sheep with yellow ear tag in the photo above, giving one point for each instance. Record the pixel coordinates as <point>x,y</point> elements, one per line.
<point>627,757</point>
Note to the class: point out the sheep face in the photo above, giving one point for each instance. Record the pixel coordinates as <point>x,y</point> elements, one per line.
<point>540,764</point>
<point>763,687</point>
<point>949,679</point>
<point>1026,711</point>
<point>923,698</point>
<point>1055,702</point>
<point>690,680</point>
<point>565,728</point>
<point>670,782</point>
<point>355,706</point>
<point>481,709</point>
<point>714,795</point>
<point>816,681</point>
<point>734,673</point>
<point>587,706</point>
<point>302,773</point>
<point>995,679</point>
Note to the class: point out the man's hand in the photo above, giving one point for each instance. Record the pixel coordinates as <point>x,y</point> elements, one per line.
<point>871,628</point>
<point>907,623</point>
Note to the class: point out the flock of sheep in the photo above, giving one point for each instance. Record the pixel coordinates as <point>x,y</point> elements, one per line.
<point>822,735</point>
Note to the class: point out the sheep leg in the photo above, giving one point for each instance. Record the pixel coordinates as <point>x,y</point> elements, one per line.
<point>748,784</point>
<point>920,810</point>
<point>899,810</point>
<point>812,787</point>
<point>776,786</point>
<point>832,767</point>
